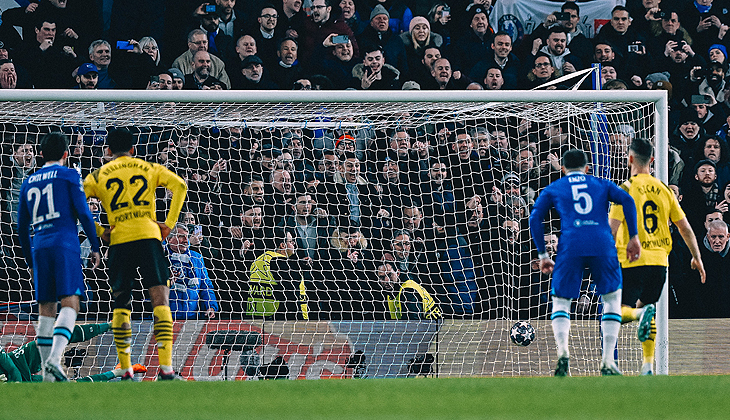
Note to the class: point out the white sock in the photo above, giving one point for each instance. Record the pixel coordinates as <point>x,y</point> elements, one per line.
<point>44,336</point>
<point>610,324</point>
<point>561,324</point>
<point>62,333</point>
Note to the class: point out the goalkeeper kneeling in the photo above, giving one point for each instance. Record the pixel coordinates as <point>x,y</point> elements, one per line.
<point>22,364</point>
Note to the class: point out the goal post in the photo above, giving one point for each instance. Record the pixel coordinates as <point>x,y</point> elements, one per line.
<point>478,274</point>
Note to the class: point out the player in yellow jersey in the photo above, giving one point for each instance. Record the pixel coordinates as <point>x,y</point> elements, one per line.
<point>126,187</point>
<point>643,279</point>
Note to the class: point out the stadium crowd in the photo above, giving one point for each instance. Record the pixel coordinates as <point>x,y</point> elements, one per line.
<point>444,206</point>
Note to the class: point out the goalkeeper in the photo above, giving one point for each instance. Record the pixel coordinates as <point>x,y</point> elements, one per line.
<point>20,364</point>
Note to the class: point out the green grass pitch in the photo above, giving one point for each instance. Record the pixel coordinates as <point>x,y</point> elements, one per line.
<point>660,397</point>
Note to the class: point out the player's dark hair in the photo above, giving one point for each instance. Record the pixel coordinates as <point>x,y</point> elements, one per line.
<point>53,145</point>
<point>574,159</point>
<point>119,140</point>
<point>642,150</point>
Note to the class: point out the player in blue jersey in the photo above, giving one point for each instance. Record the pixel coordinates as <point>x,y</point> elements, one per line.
<point>582,202</point>
<point>51,201</point>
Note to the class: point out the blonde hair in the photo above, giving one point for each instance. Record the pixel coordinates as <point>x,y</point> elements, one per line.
<point>148,40</point>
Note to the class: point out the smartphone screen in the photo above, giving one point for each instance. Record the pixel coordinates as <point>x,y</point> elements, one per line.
<point>340,39</point>
<point>124,45</point>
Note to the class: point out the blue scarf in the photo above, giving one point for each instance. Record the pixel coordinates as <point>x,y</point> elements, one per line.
<point>703,9</point>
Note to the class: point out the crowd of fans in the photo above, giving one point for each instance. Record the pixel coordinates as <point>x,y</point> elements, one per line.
<point>677,45</point>
<point>444,205</point>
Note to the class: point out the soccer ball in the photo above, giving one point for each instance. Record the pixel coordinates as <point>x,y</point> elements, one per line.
<point>522,333</point>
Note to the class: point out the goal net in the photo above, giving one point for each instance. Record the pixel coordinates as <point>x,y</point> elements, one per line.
<point>407,213</point>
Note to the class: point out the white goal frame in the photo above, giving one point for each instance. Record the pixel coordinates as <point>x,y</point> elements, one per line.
<point>658,97</point>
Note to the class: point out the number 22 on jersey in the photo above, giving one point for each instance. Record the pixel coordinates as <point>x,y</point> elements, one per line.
<point>136,200</point>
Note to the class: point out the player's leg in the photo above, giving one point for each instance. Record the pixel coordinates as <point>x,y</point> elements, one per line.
<point>69,284</point>
<point>633,284</point>
<point>656,276</point>
<point>162,327</point>
<point>121,275</point>
<point>610,326</point>
<point>607,274</point>
<point>565,286</point>
<point>122,328</point>
<point>115,373</point>
<point>46,296</point>
<point>560,320</point>
<point>65,323</point>
<point>155,273</point>
<point>86,332</point>
<point>44,333</point>
<point>100,377</point>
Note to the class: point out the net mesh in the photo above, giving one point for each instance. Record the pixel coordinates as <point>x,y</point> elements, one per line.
<point>374,194</point>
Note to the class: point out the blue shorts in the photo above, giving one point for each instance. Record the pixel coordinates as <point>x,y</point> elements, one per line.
<point>568,275</point>
<point>57,272</point>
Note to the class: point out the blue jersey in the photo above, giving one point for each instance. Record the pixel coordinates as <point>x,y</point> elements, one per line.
<point>582,202</point>
<point>51,201</point>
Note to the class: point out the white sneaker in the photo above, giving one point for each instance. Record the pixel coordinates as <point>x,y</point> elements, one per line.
<point>53,372</point>
<point>610,369</point>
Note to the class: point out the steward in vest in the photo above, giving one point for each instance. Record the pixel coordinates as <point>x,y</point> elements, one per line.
<point>276,289</point>
<point>405,298</point>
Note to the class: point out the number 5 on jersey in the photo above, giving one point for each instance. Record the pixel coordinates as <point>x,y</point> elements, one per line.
<point>583,201</point>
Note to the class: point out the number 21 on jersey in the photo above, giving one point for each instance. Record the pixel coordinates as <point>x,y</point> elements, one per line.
<point>35,195</point>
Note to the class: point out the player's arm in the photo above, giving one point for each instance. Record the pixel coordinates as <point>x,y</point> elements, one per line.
<point>179,189</point>
<point>90,191</point>
<point>12,374</point>
<point>24,228</point>
<point>615,218</point>
<point>541,208</point>
<point>81,208</point>
<point>689,238</point>
<point>619,196</point>
<point>615,224</point>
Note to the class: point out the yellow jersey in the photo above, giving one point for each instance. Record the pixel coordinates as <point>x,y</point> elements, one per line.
<point>656,205</point>
<point>266,295</point>
<point>126,187</point>
<point>430,309</point>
